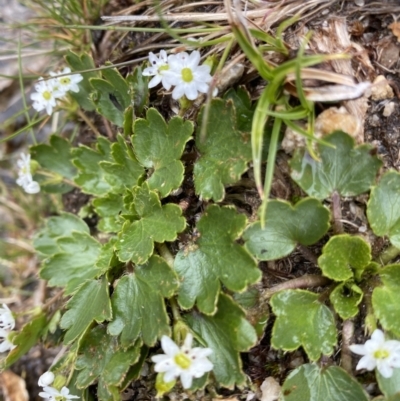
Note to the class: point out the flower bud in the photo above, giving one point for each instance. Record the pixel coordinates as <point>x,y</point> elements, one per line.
<point>46,379</point>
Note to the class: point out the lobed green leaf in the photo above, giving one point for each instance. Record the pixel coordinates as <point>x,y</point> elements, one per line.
<point>301,320</point>
<point>215,258</point>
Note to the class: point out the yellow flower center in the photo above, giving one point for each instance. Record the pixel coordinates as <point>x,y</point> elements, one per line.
<point>65,81</point>
<point>47,95</point>
<point>163,68</point>
<point>381,354</point>
<point>182,360</point>
<point>187,74</point>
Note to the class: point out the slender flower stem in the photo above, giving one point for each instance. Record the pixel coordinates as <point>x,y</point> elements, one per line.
<point>310,280</point>
<point>175,310</point>
<point>165,254</point>
<point>51,175</point>
<point>337,213</point>
<point>83,116</point>
<point>347,339</point>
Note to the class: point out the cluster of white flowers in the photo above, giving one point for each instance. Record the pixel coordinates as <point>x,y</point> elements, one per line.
<point>181,70</point>
<point>378,353</point>
<point>49,90</point>
<point>184,362</point>
<point>7,324</point>
<point>51,393</point>
<point>25,179</point>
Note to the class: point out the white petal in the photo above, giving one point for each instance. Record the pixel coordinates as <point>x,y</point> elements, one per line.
<point>165,83</point>
<point>168,346</point>
<point>171,374</point>
<point>155,81</point>
<point>164,56</point>
<point>186,379</point>
<point>153,58</point>
<point>202,87</point>
<point>366,362</point>
<point>194,59</point>
<point>178,91</point>
<point>150,71</point>
<point>385,369</point>
<point>191,91</point>
<point>32,188</point>
<point>46,379</point>
<point>188,341</point>
<point>358,349</point>
<point>378,336</point>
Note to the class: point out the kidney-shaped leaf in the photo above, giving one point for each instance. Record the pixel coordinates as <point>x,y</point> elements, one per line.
<point>215,257</point>
<point>384,207</point>
<point>159,146</point>
<point>227,333</point>
<point>91,302</point>
<point>310,382</point>
<point>153,223</point>
<point>285,226</point>
<point>301,320</point>
<point>386,299</point>
<point>225,151</point>
<point>346,169</point>
<point>138,304</point>
<point>344,256</point>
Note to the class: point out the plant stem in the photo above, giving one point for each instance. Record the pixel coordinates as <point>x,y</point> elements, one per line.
<point>337,213</point>
<point>175,310</point>
<point>347,339</point>
<point>388,255</point>
<point>309,280</point>
<point>82,115</point>
<point>165,254</point>
<point>309,255</point>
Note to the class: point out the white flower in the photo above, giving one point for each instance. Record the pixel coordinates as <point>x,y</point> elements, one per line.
<point>46,95</point>
<point>378,353</point>
<point>46,379</point>
<point>67,82</point>
<point>187,76</point>
<point>5,343</point>
<point>25,179</point>
<point>186,362</point>
<point>159,66</point>
<point>7,320</point>
<point>52,394</point>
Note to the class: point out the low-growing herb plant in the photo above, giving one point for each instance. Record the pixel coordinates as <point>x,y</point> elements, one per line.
<point>150,270</point>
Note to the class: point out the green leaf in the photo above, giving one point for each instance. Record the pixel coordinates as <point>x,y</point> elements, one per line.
<point>101,357</point>
<point>91,302</point>
<point>215,257</point>
<point>301,320</point>
<point>225,151</point>
<point>91,177</point>
<point>244,110</point>
<point>386,299</point>
<point>285,226</point>
<point>45,241</point>
<point>153,223</point>
<point>81,63</point>
<point>345,298</point>
<point>109,208</point>
<point>111,96</point>
<point>138,89</point>
<point>344,256</point>
<point>124,171</point>
<point>227,333</point>
<point>57,159</point>
<point>389,386</point>
<point>346,169</point>
<point>309,382</point>
<point>25,339</point>
<point>138,304</point>
<point>75,262</point>
<point>159,146</point>
<point>383,209</point>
